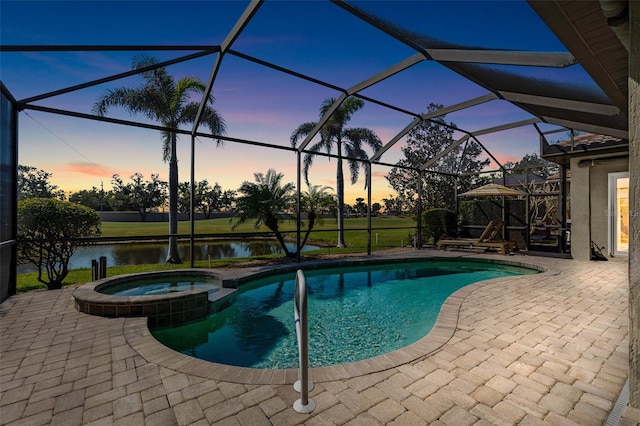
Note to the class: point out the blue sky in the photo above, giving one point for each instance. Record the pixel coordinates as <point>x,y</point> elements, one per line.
<point>316,38</point>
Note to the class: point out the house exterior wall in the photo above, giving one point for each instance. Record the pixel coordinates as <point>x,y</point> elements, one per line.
<point>634,205</point>
<point>590,203</point>
<point>580,211</point>
<point>600,209</point>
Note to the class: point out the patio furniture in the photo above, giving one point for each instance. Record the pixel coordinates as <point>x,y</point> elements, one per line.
<point>483,241</point>
<point>465,241</point>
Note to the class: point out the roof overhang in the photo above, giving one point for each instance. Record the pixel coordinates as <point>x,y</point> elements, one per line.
<point>590,36</point>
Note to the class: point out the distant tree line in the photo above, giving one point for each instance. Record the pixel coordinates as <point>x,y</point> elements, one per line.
<point>146,196</point>
<point>136,194</point>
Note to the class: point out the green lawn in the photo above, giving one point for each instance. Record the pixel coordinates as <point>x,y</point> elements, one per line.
<point>324,235</point>
<point>223,226</point>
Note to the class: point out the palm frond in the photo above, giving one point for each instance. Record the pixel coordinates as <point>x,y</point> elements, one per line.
<point>184,88</point>
<point>301,132</point>
<point>264,199</point>
<point>210,118</point>
<point>354,150</point>
<point>114,97</point>
<point>362,136</point>
<point>354,169</point>
<point>308,159</point>
<point>342,115</point>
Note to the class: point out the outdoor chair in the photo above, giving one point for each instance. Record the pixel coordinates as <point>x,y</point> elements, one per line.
<point>465,241</point>
<point>484,241</point>
<point>504,246</point>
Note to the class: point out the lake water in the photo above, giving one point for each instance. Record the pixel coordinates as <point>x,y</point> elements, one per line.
<point>146,253</point>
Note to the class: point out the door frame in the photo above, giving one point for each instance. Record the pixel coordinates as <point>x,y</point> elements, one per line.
<point>613,214</point>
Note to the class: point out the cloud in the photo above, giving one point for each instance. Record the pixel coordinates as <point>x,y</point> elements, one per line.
<point>88,169</point>
<point>380,174</point>
<point>506,158</point>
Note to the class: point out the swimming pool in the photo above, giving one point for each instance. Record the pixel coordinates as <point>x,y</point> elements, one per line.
<point>354,313</point>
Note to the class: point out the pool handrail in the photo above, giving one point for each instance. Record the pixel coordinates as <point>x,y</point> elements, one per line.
<point>300,312</point>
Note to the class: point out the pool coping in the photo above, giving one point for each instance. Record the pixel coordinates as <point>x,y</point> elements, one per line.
<point>139,337</point>
<point>167,309</point>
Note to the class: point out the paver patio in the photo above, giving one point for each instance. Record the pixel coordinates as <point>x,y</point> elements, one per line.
<point>549,348</point>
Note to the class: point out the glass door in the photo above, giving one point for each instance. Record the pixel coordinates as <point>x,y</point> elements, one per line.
<point>619,213</point>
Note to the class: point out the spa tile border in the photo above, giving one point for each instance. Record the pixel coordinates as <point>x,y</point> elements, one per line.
<point>161,310</point>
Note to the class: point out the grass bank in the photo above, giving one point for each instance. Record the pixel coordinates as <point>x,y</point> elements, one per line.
<point>224,226</point>
<point>387,232</point>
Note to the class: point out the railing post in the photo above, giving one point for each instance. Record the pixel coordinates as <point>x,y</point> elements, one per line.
<point>303,385</point>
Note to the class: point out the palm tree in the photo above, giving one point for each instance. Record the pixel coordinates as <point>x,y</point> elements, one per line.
<point>265,200</point>
<point>314,203</point>
<point>347,140</point>
<point>167,101</point>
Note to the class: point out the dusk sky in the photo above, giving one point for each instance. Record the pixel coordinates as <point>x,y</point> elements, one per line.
<point>315,38</point>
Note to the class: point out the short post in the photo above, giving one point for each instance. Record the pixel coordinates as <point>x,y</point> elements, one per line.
<point>94,270</point>
<point>103,267</point>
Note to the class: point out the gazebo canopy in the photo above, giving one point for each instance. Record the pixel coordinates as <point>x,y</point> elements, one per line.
<point>493,190</point>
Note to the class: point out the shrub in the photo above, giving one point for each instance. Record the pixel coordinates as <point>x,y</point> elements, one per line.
<point>437,223</point>
<point>47,232</point>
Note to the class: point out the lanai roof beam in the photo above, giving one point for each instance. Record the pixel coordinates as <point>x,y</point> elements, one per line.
<point>322,121</point>
<point>242,22</point>
<point>69,89</point>
<point>567,104</point>
<point>396,138</point>
<point>459,106</point>
<point>430,115</point>
<point>477,133</point>
<point>506,126</point>
<point>504,57</point>
<point>394,69</point>
<point>438,156</point>
<point>593,128</point>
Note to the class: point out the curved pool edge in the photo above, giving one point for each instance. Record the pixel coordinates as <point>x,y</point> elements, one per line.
<point>139,336</point>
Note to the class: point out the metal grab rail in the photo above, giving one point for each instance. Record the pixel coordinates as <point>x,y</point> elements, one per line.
<point>303,384</point>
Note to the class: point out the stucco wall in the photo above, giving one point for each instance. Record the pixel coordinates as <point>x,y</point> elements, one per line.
<point>580,211</point>
<point>634,205</point>
<point>600,209</point>
<point>590,203</point>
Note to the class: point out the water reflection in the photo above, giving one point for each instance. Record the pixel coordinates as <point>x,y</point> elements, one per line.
<point>149,253</point>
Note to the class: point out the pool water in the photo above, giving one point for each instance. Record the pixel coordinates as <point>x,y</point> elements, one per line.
<point>164,285</point>
<point>354,313</point>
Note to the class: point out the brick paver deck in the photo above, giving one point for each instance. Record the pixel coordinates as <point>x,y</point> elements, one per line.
<point>549,348</point>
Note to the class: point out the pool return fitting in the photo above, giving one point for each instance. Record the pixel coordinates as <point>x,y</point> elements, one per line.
<point>303,385</point>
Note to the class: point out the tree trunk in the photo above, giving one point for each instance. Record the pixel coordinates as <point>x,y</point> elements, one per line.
<point>340,193</point>
<point>172,254</point>
<point>272,224</point>
<point>311,223</point>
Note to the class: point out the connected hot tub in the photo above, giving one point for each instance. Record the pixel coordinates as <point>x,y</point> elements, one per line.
<point>168,298</point>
